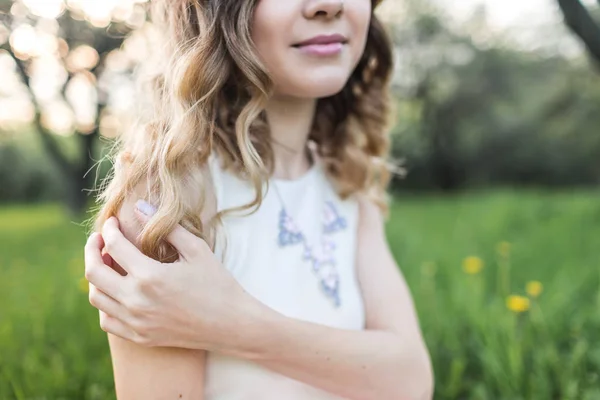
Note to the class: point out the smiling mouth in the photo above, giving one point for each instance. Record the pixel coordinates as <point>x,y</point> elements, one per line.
<point>323,40</point>
<point>330,49</point>
<point>300,45</point>
<point>325,45</point>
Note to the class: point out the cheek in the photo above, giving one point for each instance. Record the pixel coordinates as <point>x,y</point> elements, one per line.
<point>360,19</point>
<point>268,31</point>
<point>268,40</point>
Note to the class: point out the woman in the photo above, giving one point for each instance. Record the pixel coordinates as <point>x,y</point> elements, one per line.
<point>255,193</point>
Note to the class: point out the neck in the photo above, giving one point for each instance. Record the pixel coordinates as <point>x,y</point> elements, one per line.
<point>290,122</point>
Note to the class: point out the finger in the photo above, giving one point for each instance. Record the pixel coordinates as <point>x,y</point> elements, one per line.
<point>98,273</point>
<point>122,250</point>
<point>114,326</point>
<point>105,303</point>
<point>188,245</point>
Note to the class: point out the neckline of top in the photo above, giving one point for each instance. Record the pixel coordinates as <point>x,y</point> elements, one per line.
<point>281,182</point>
<point>305,176</point>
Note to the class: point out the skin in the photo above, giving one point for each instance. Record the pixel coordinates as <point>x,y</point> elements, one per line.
<point>162,319</point>
<point>280,24</point>
<point>299,79</point>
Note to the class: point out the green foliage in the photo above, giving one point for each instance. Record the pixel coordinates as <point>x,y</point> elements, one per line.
<point>51,346</point>
<point>25,176</point>
<point>472,114</point>
<point>28,174</point>
<point>480,348</point>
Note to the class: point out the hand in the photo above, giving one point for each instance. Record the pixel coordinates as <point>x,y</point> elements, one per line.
<point>192,303</point>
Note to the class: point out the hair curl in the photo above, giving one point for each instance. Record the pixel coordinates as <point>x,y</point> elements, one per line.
<point>207,92</point>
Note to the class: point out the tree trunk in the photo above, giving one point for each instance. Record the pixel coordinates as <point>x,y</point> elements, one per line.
<point>579,20</point>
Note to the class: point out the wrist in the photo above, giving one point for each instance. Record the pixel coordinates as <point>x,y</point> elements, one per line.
<point>251,335</point>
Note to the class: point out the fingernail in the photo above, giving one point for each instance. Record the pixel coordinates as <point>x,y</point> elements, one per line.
<point>145,208</point>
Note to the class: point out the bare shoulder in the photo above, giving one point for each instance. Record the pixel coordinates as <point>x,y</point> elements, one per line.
<point>370,215</point>
<point>130,224</point>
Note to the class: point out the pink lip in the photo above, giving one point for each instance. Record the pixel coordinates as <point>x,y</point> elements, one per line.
<point>322,49</point>
<point>324,39</point>
<point>323,45</point>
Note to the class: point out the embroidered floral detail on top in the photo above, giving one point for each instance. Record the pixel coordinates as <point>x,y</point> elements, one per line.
<point>333,221</point>
<point>322,259</point>
<point>289,233</point>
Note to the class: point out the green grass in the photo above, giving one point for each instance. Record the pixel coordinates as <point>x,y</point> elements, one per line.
<point>482,350</point>
<point>52,348</point>
<point>50,344</point>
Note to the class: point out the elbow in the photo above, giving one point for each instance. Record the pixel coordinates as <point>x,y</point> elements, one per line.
<point>417,382</point>
<point>424,387</point>
<point>408,375</point>
<point>421,378</point>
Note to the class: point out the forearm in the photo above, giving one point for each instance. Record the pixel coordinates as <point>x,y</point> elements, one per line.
<point>352,364</point>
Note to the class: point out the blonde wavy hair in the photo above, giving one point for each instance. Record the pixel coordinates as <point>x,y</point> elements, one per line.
<point>207,92</point>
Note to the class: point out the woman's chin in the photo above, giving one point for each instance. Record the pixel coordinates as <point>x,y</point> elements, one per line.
<point>316,89</point>
<point>329,91</point>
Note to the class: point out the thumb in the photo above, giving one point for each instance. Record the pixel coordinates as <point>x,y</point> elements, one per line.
<point>188,245</point>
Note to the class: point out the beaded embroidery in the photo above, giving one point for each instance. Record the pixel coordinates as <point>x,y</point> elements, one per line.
<point>321,259</point>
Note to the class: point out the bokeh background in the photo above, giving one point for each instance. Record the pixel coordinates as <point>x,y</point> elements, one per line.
<point>496,226</point>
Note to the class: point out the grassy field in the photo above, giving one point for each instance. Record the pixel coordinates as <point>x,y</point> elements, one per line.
<point>506,284</point>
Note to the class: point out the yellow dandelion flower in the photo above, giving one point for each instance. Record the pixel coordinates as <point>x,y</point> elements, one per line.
<point>517,304</point>
<point>472,265</point>
<point>84,285</point>
<point>503,248</point>
<point>534,288</point>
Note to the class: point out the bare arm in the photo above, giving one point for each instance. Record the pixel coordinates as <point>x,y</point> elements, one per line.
<point>142,372</point>
<point>389,360</point>
<point>156,372</point>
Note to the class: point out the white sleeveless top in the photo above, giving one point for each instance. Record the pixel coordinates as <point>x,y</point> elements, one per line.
<point>280,276</point>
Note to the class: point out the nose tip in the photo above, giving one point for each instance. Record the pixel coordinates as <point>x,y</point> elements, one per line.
<point>325,8</point>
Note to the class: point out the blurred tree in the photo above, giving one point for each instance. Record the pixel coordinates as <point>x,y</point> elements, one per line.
<point>81,52</point>
<point>430,54</point>
<point>475,112</point>
<point>472,109</point>
<point>582,23</point>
